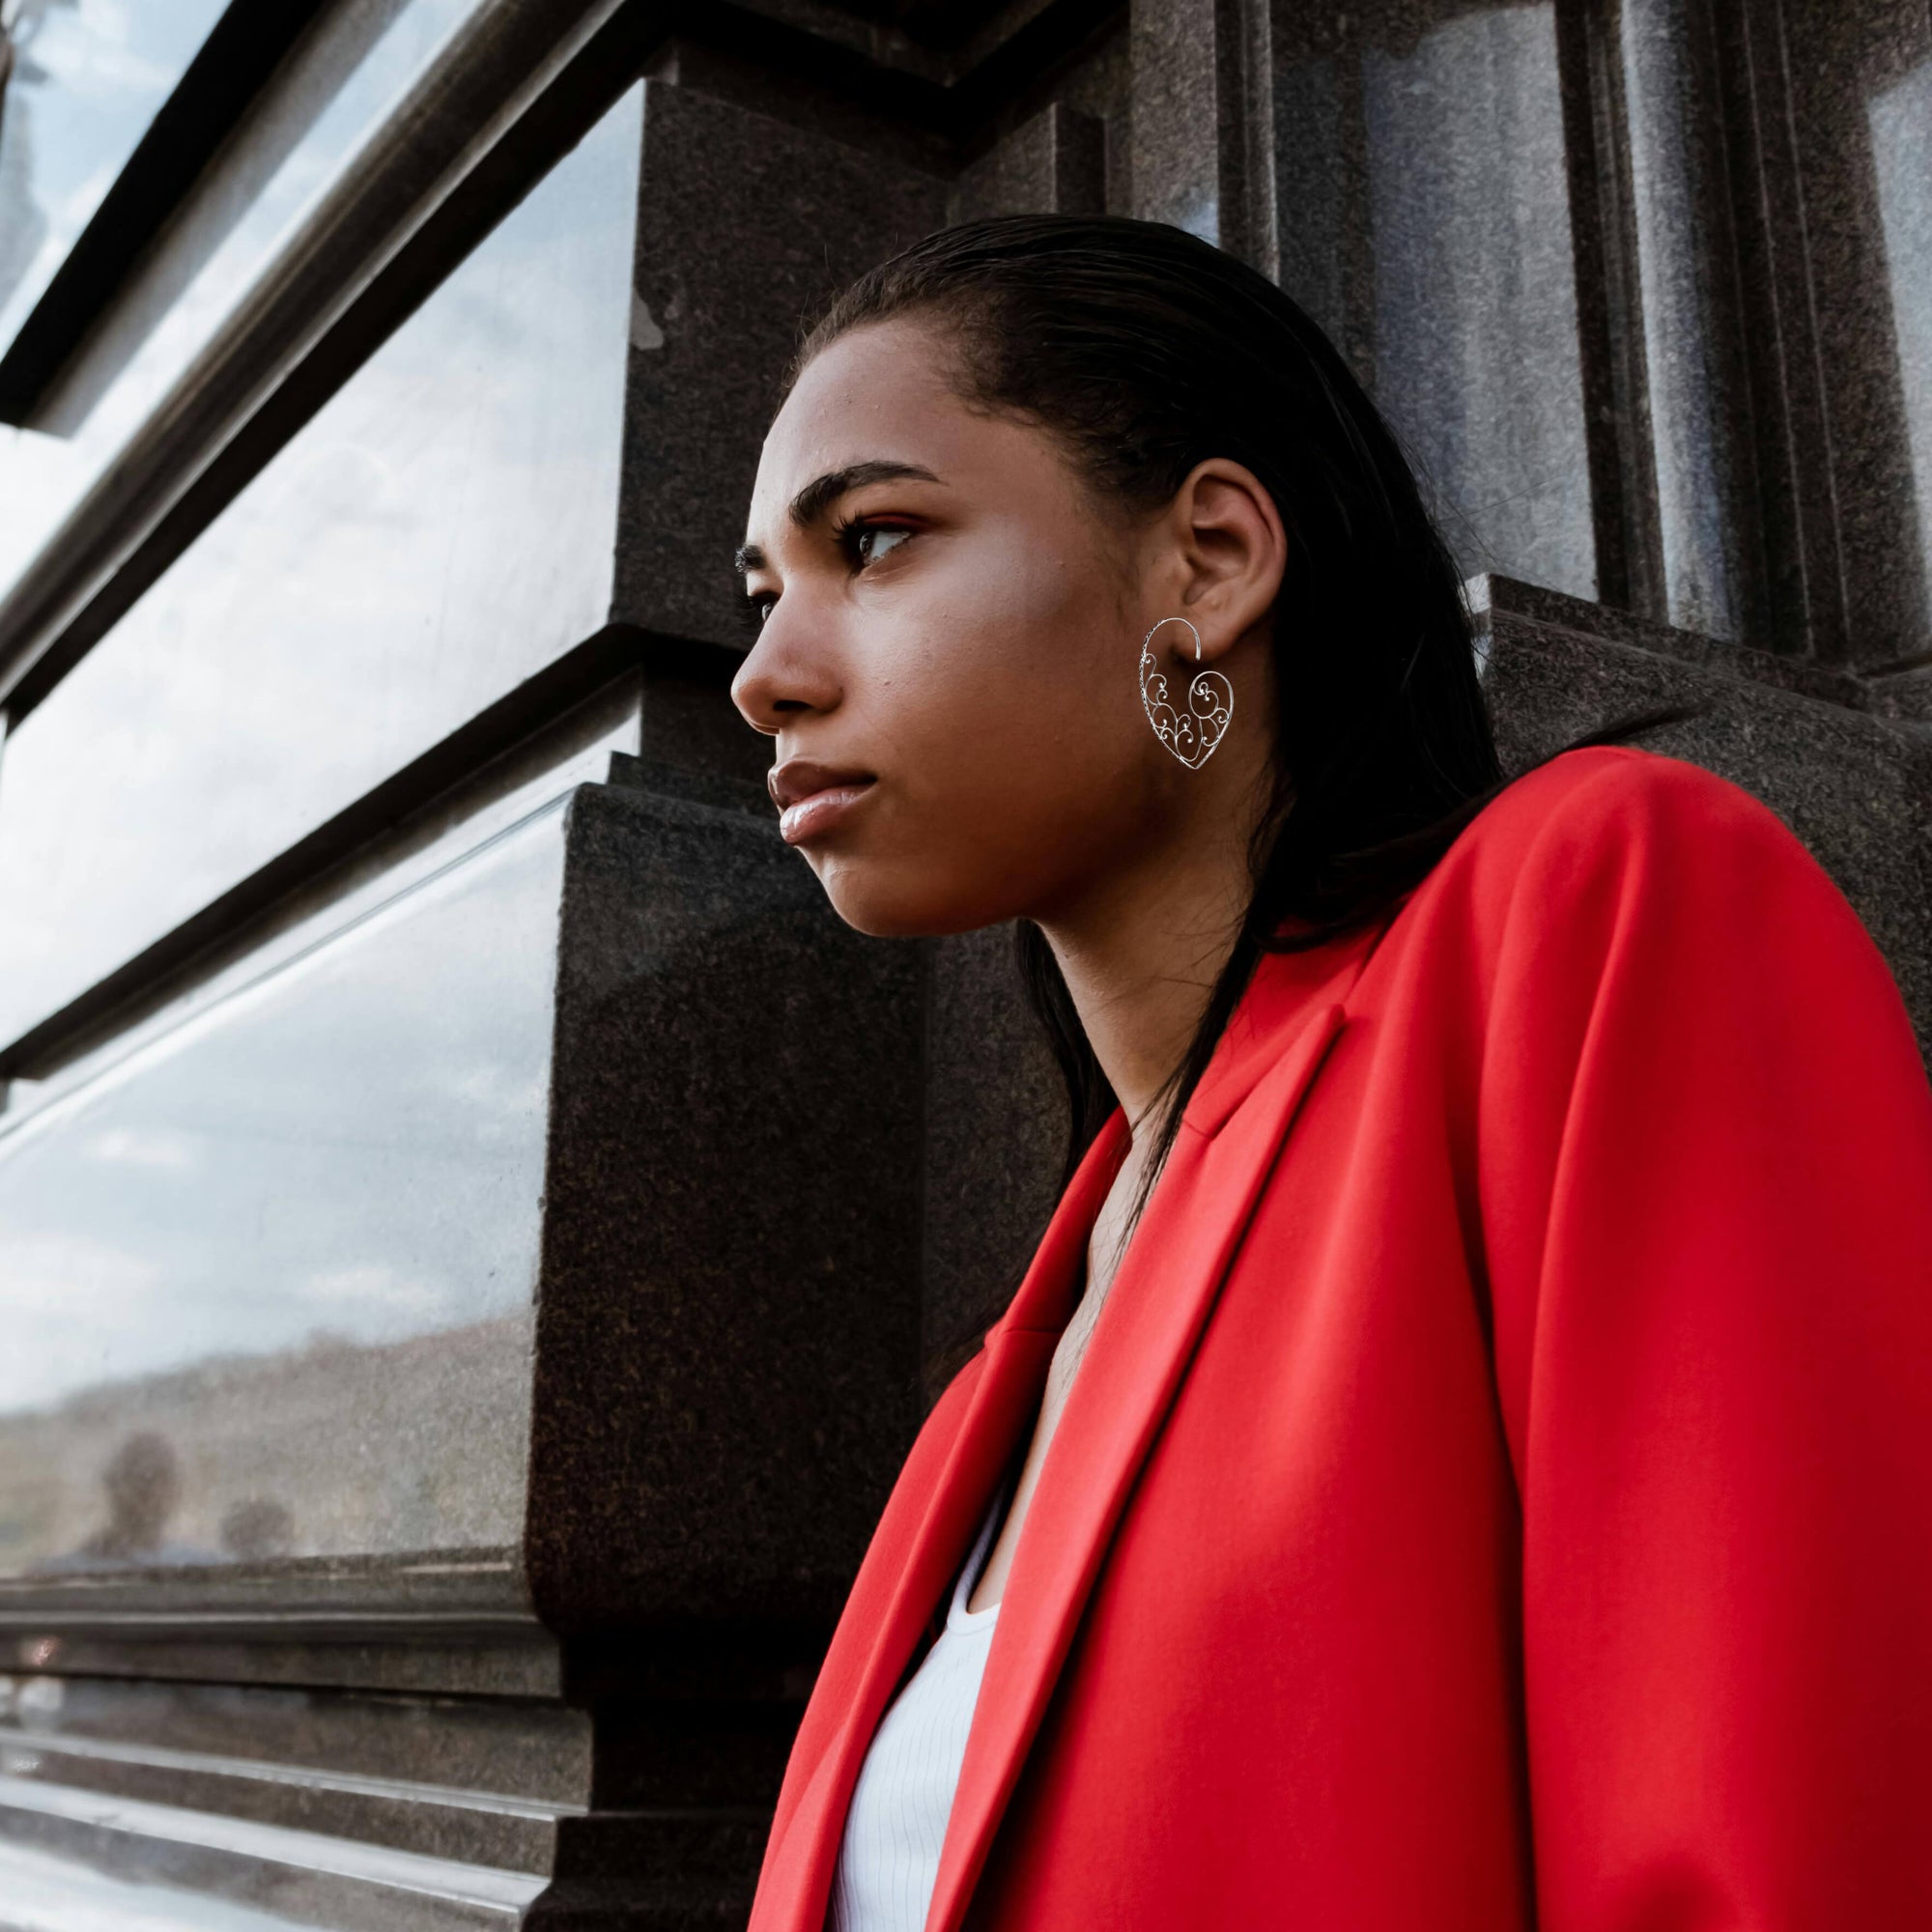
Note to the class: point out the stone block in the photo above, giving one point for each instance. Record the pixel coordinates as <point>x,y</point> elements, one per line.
<point>727,1321</point>
<point>1056,163</point>
<point>1854,787</point>
<point>1421,215</point>
<point>995,1132</point>
<point>744,226</point>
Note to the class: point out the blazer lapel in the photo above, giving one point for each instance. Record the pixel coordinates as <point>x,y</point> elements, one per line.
<point>1154,1313</point>
<point>797,1882</point>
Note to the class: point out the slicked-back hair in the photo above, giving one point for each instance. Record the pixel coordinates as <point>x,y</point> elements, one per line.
<point>1144,350</point>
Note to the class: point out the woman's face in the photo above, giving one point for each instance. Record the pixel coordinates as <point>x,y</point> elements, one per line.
<point>947,657</point>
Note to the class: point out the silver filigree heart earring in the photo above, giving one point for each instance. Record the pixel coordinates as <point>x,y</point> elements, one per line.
<point>1190,734</point>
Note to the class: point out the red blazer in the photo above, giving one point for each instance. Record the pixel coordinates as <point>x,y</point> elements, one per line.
<point>1497,1492</point>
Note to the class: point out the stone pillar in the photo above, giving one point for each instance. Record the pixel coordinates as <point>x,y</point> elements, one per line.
<point>1189,121</point>
<point>1421,211</point>
<point>1700,422</point>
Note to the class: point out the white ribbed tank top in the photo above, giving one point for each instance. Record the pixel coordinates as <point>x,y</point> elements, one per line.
<point>888,1858</point>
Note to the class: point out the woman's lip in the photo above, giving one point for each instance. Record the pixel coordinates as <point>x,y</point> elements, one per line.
<point>819,812</point>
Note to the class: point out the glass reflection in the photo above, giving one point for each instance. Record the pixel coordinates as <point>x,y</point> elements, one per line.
<point>441,530</point>
<point>1901,140</point>
<point>88,78</point>
<point>300,135</point>
<point>269,1280</point>
<point>44,1890</point>
<point>1425,223</point>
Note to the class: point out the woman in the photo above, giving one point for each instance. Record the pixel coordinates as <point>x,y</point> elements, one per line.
<point>1489,1488</point>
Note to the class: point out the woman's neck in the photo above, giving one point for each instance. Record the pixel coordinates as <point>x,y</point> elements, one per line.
<point>1141,962</point>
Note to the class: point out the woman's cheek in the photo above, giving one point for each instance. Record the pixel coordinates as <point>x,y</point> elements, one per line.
<point>942,857</point>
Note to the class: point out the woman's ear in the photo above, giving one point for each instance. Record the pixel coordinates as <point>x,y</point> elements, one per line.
<point>1230,549</point>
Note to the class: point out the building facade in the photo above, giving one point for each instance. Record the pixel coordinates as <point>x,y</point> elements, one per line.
<point>476,1233</point>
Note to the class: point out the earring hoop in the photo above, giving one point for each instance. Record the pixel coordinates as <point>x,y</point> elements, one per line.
<point>1190,734</point>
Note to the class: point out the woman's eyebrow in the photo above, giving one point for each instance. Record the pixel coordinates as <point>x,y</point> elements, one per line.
<point>822,491</point>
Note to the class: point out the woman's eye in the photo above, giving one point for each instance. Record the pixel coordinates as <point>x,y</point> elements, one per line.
<point>873,541</point>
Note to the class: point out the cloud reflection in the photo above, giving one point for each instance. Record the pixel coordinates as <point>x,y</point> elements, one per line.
<point>350,1237</point>
<point>88,77</point>
<point>255,195</point>
<point>441,529</point>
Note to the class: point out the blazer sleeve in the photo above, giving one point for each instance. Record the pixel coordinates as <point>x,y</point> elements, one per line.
<point>1705,1180</point>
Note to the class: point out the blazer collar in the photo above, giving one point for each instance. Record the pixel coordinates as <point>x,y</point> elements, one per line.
<point>1286,988</point>
<point>1153,1316</point>
<point>1231,1134</point>
<point>888,1622</point>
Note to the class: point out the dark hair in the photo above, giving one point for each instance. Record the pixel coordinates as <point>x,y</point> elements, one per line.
<point>1144,351</point>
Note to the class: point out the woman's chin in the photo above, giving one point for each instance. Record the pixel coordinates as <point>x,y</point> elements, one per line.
<point>904,908</point>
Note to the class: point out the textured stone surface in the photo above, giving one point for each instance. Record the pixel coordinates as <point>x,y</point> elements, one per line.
<point>1829,683</point>
<point>1101,87</point>
<point>1855,292</point>
<point>1422,217</point>
<point>745,225</point>
<point>1855,788</point>
<point>497,1783</point>
<point>690,724</point>
<point>509,1660</point>
<point>996,1126</point>
<point>1905,695</point>
<point>1712,551</point>
<point>728,1318</point>
<point>1055,163</point>
<point>1190,161</point>
<point>510,1747</point>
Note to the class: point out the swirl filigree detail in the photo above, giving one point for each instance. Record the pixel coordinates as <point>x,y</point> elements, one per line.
<point>1190,730</point>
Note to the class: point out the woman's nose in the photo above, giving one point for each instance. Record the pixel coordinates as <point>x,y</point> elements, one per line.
<point>780,679</point>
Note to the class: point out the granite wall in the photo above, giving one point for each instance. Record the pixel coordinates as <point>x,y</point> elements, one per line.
<point>476,1233</point>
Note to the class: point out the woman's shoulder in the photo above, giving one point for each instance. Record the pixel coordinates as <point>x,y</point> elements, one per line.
<point>1610,858</point>
<point>1619,793</point>
<point>1550,866</point>
<point>1618,817</point>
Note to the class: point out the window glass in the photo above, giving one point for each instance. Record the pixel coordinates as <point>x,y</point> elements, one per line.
<point>88,78</point>
<point>312,119</point>
<point>308,1215</point>
<point>441,530</point>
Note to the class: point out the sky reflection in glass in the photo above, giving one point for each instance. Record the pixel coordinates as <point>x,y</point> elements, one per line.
<point>227,1251</point>
<point>444,529</point>
<point>88,77</point>
<point>301,134</point>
